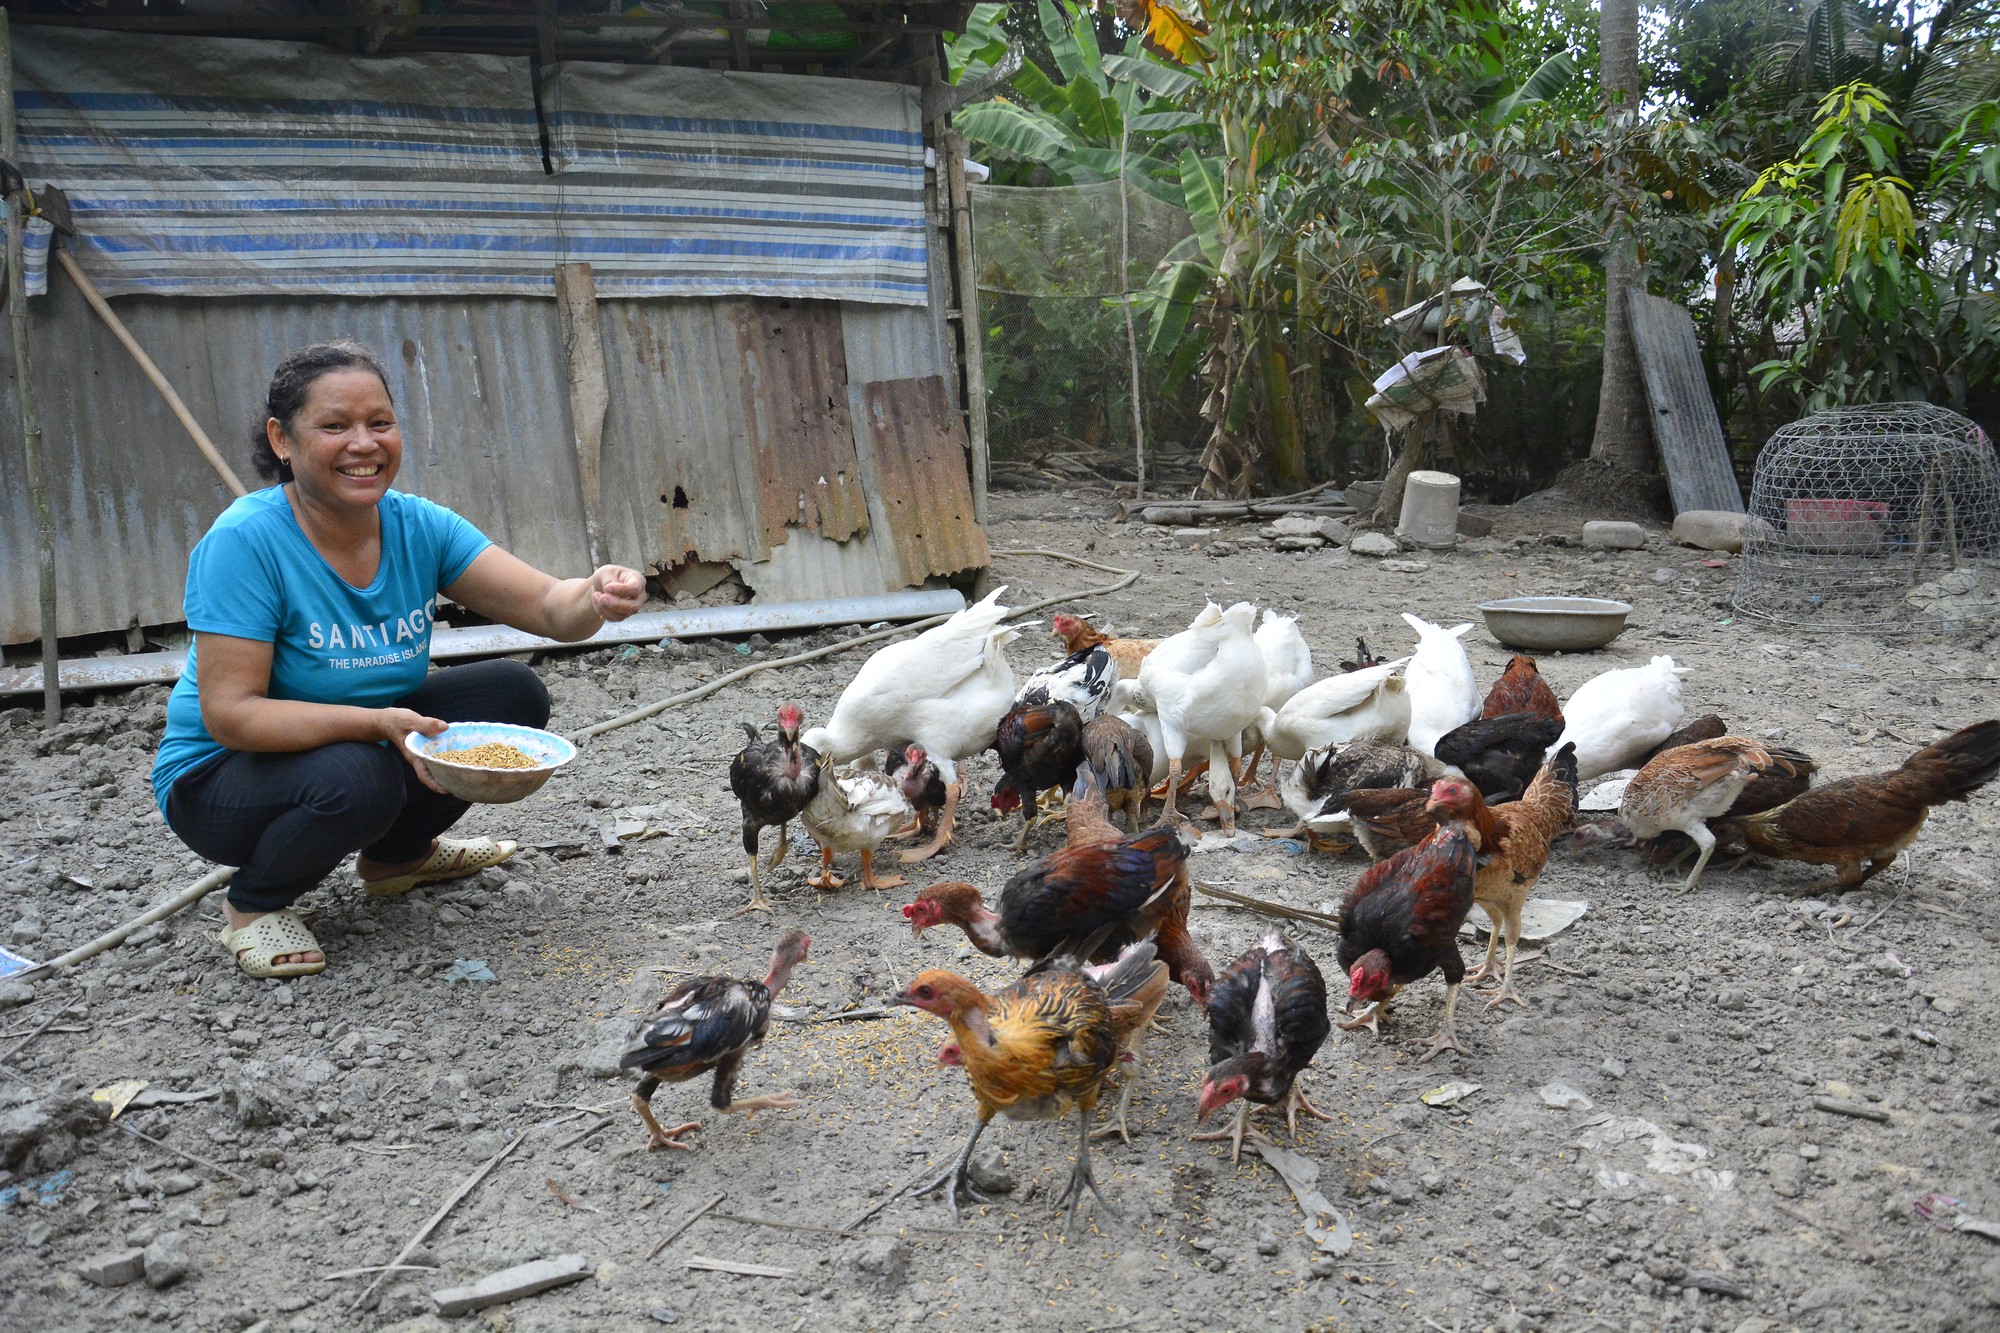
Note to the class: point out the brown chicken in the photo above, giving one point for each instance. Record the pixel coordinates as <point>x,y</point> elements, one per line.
<point>1385,820</point>
<point>1087,819</point>
<point>1040,746</point>
<point>704,1024</point>
<point>1707,727</point>
<point>1122,759</point>
<point>1040,1048</point>
<point>1858,825</point>
<point>1134,888</point>
<point>1680,790</point>
<point>1078,634</point>
<point>1400,921</point>
<point>1521,689</point>
<point>1513,841</point>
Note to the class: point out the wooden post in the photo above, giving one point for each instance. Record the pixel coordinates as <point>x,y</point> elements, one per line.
<point>951,157</point>
<point>589,395</point>
<point>24,384</point>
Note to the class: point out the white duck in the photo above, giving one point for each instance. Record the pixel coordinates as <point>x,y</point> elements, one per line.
<point>1206,684</point>
<point>853,811</point>
<point>1288,668</point>
<point>1443,693</point>
<point>1613,719</point>
<point>1372,704</point>
<point>945,690</point>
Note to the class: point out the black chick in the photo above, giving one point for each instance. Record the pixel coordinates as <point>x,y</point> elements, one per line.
<point>1040,746</point>
<point>1266,1020</point>
<point>1500,754</point>
<point>774,781</point>
<point>1362,657</point>
<point>918,778</point>
<point>709,1023</point>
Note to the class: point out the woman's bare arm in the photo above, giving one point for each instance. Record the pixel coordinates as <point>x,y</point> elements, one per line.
<point>508,589</point>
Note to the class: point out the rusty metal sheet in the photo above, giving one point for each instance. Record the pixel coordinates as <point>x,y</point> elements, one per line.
<point>794,387</point>
<point>913,447</point>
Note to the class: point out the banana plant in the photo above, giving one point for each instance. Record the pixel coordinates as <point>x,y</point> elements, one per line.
<point>1097,113</point>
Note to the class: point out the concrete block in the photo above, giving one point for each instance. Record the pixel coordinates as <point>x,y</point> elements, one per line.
<point>1190,536</point>
<point>1613,535</point>
<point>115,1269</point>
<point>1711,529</point>
<point>511,1284</point>
<point>1377,544</point>
<point>1474,525</point>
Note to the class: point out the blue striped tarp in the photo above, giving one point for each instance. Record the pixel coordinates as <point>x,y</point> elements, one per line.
<point>218,167</point>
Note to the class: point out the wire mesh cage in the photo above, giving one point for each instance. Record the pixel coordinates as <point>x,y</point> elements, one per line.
<point>1880,518</point>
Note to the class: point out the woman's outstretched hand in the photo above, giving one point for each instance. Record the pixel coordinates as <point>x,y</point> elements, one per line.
<point>617,592</point>
<point>400,722</point>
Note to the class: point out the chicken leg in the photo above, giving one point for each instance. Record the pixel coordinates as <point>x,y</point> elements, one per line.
<point>758,902</point>
<point>770,1101</point>
<point>943,838</point>
<point>1235,1134</point>
<point>1706,841</point>
<point>1081,1177</point>
<point>1224,792</point>
<point>868,880</point>
<point>1295,1104</point>
<point>1130,1056</point>
<point>1264,796</point>
<point>957,1177</point>
<point>1446,1038</point>
<point>661,1138</point>
<point>1510,923</point>
<point>826,879</point>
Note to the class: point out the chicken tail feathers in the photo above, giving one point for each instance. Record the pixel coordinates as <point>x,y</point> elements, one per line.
<point>1562,764</point>
<point>1126,977</point>
<point>1959,765</point>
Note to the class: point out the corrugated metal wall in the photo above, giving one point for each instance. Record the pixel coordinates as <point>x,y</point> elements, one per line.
<point>480,386</point>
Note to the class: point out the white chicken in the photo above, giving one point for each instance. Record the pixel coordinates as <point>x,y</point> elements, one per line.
<point>1134,707</point>
<point>1443,693</point>
<point>853,811</point>
<point>1288,668</point>
<point>1084,680</point>
<point>1615,718</point>
<point>1206,684</point>
<point>1372,704</point>
<point>946,690</point>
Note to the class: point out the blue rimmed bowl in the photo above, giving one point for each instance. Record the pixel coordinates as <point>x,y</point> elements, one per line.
<point>491,786</point>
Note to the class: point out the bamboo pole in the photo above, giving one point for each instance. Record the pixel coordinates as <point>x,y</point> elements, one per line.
<point>951,157</point>
<point>150,370</point>
<point>111,939</point>
<point>24,386</point>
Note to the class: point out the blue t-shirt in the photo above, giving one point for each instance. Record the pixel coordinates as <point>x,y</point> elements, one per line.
<point>256,576</point>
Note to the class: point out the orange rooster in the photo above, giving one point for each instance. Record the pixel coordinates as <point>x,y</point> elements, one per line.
<point>1513,841</point>
<point>1858,825</point>
<point>1039,1049</point>
<point>1400,921</point>
<point>1521,689</point>
<point>1078,634</point>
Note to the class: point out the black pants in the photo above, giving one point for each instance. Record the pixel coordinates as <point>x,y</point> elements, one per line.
<point>288,819</point>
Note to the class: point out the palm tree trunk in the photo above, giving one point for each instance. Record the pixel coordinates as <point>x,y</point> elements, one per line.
<point>1622,434</point>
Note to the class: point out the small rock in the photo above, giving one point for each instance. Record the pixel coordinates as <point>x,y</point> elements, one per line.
<point>14,994</point>
<point>1190,537</point>
<point>1711,529</point>
<point>1663,576</point>
<point>1489,1284</point>
<point>1945,1005</point>
<point>1612,1067</point>
<point>178,1183</point>
<point>115,1269</point>
<point>884,1261</point>
<point>988,1175</point>
<point>1376,544</point>
<point>1297,543</point>
<point>1323,1266</point>
<point>1563,1097</point>
<point>1432,1182</point>
<point>166,1261</point>
<point>1732,999</point>
<point>1267,1242</point>
<point>1401,1193</point>
<point>25,931</point>
<point>1613,535</point>
<point>1217,550</point>
<point>1665,1267</point>
<point>1405,566</point>
<point>1809,1151</point>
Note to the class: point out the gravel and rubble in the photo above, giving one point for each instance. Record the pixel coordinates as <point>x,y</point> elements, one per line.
<point>1684,1174</point>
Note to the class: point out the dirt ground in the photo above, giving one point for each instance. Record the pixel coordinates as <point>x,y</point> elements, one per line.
<point>1698,1188</point>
